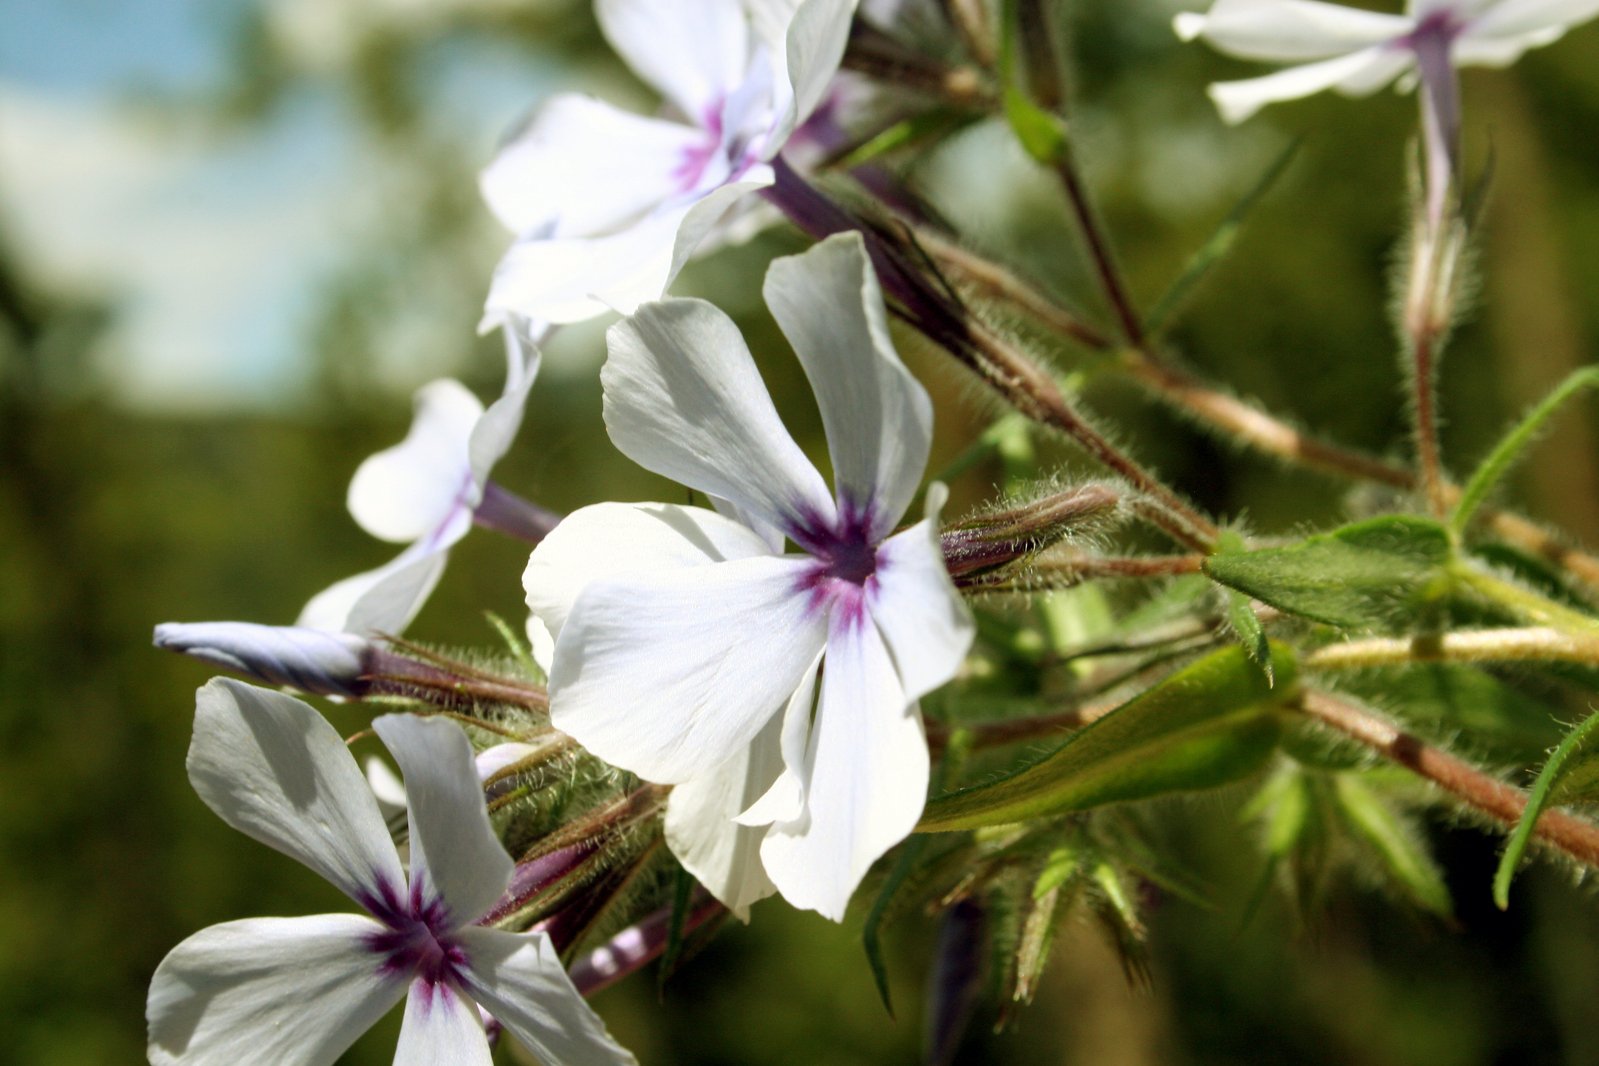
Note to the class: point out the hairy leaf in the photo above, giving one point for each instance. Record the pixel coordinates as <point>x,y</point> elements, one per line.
<point>1573,751</point>
<point>1385,572</point>
<point>1209,724</point>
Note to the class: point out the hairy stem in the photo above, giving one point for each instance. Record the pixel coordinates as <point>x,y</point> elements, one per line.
<point>1471,786</point>
<point>1480,646</point>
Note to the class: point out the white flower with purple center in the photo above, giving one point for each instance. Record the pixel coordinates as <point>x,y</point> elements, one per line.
<point>279,991</point>
<point>607,205</point>
<point>427,492</point>
<point>777,691</point>
<point>1357,52</point>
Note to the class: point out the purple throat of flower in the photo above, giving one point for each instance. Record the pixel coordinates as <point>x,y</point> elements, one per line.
<point>845,562</point>
<point>417,942</point>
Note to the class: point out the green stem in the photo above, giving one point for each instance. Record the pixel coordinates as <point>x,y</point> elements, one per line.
<point>1527,604</point>
<point>1478,646</point>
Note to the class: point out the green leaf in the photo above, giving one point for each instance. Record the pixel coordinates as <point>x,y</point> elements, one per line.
<point>1245,624</point>
<point>906,133</point>
<point>682,900</point>
<point>1514,445</point>
<point>1207,725</point>
<point>871,935</point>
<point>1383,572</point>
<point>1543,793</point>
<point>1220,243</point>
<point>1041,133</point>
<point>1396,844</point>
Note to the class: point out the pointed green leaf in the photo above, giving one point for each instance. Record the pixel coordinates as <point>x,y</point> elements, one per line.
<point>1207,725</point>
<point>1383,572</point>
<point>1215,249</point>
<point>1515,444</point>
<point>1245,624</point>
<point>871,935</point>
<point>1542,795</point>
<point>1403,855</point>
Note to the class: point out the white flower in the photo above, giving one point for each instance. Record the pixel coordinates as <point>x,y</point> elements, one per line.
<point>426,492</point>
<point>688,646</point>
<point>279,991</point>
<point>607,205</point>
<point>1357,52</point>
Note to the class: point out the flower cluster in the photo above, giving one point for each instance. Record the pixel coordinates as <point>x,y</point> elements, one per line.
<point>742,680</point>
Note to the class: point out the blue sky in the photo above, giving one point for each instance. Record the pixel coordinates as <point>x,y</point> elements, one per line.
<point>210,245</point>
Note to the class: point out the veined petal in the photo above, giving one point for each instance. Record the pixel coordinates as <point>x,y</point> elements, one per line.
<point>610,540</point>
<point>386,599</point>
<point>695,52</point>
<point>785,799</point>
<point>454,851</point>
<point>868,771</point>
<point>923,621</point>
<point>672,673</point>
<point>813,47</point>
<point>405,492</point>
<point>878,418</point>
<point>573,279</point>
<point>269,992</point>
<point>705,216</point>
<point>441,1028</point>
<point>519,979</point>
<point>712,822</point>
<point>1288,31</point>
<point>683,398</point>
<point>1356,74</point>
<point>582,167</point>
<point>1530,18</point>
<point>311,660</point>
<point>273,769</point>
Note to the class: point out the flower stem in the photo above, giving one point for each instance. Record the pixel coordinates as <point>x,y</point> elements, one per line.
<point>1480,646</point>
<point>1527,604</point>
<point>1478,790</point>
<point>1109,274</point>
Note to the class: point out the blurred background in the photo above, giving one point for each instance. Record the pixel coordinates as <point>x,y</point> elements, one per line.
<point>236,234</point>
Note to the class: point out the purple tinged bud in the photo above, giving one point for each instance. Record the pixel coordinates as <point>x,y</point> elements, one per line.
<point>955,982</point>
<point>990,541</point>
<point>635,947</point>
<point>530,878</point>
<point>311,660</point>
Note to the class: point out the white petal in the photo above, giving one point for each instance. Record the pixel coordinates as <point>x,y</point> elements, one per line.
<point>878,418</point>
<point>695,52</point>
<point>672,673</point>
<point>269,992</point>
<point>610,540</point>
<point>785,799</point>
<point>386,599</point>
<point>1518,18</point>
<point>813,47</point>
<point>408,491</point>
<point>441,1028</point>
<point>492,436</point>
<point>386,787</point>
<point>273,769</point>
<point>454,850</point>
<point>1355,75</point>
<point>702,824</point>
<point>1497,51</point>
<point>922,618</point>
<point>868,776</point>
<point>492,760</point>
<point>582,167</point>
<point>707,215</point>
<point>1288,31</point>
<point>519,979</point>
<point>683,398</point>
<point>574,279</point>
<point>311,660</point>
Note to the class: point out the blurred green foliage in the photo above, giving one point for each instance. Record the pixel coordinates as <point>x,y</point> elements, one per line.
<point>111,522</point>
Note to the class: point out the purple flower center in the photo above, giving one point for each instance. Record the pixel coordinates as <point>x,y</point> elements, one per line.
<point>417,942</point>
<point>1439,27</point>
<point>845,559</point>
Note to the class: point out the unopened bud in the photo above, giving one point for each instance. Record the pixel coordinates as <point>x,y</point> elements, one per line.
<point>997,539</point>
<point>312,660</point>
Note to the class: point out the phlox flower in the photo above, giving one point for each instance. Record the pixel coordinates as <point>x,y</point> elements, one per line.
<point>1357,52</point>
<point>426,492</point>
<point>777,691</point>
<point>608,205</point>
<point>279,991</point>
